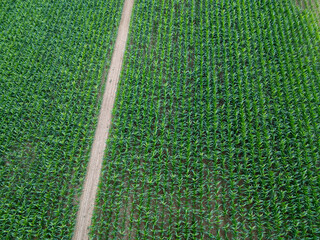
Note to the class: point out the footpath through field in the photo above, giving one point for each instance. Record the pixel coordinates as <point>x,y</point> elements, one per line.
<point>97,151</point>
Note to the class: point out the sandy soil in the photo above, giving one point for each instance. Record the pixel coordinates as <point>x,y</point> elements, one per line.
<point>90,186</point>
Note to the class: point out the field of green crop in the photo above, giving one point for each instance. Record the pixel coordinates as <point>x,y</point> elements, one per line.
<point>216,126</point>
<point>52,58</point>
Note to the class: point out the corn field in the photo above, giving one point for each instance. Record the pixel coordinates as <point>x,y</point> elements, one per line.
<point>52,58</point>
<point>216,127</point>
<point>215,130</point>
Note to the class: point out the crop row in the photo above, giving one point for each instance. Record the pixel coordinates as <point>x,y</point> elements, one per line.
<point>216,126</point>
<point>52,58</point>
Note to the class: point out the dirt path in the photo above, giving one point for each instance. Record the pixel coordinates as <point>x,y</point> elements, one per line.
<point>90,186</point>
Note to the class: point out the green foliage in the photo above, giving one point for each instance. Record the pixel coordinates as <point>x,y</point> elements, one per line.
<point>216,126</point>
<point>52,58</point>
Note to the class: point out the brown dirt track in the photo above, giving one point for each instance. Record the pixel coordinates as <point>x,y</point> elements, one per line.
<point>90,185</point>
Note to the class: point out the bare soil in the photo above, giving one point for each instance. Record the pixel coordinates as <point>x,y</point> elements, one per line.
<point>90,186</point>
